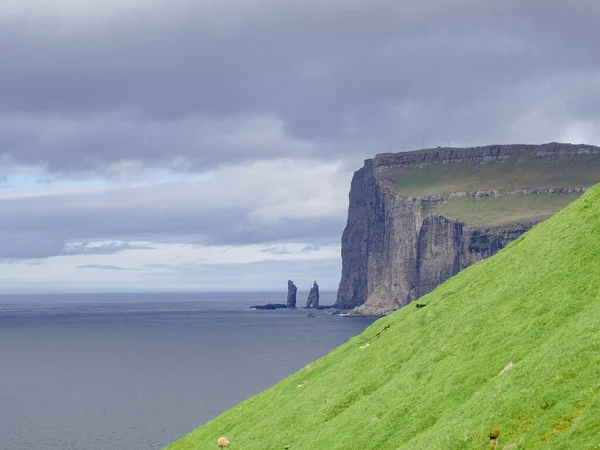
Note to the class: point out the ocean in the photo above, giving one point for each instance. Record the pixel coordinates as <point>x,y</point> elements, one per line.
<point>137,371</point>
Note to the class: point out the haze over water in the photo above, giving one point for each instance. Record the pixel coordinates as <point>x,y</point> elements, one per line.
<point>137,371</point>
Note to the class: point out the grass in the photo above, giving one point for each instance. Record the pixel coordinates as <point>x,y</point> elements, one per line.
<point>430,378</point>
<point>524,172</point>
<point>483,211</point>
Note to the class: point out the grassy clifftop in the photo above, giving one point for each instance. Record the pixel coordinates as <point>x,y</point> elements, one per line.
<point>507,176</point>
<point>525,171</point>
<point>430,378</point>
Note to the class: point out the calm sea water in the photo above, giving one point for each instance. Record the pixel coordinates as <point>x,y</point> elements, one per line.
<point>137,371</point>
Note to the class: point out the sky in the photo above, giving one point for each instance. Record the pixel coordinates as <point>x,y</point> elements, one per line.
<point>194,145</point>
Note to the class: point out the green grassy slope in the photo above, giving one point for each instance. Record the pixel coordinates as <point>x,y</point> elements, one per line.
<point>430,379</point>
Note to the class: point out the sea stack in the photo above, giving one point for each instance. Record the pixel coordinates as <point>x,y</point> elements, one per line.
<point>291,296</point>
<point>313,297</point>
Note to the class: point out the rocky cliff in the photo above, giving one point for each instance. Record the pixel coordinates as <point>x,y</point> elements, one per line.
<point>417,218</point>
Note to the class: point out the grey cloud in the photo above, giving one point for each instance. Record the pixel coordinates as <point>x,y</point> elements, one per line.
<point>106,248</point>
<point>24,245</point>
<point>276,251</point>
<point>236,209</point>
<point>311,248</point>
<point>284,251</point>
<point>34,262</point>
<point>119,142</point>
<point>39,240</point>
<point>101,266</point>
<point>328,78</point>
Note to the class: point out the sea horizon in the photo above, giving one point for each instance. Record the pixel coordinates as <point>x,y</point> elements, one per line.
<point>325,294</point>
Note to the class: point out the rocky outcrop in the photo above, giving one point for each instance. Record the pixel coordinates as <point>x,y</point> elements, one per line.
<point>396,248</point>
<point>379,304</point>
<point>269,306</point>
<point>291,296</point>
<point>313,297</point>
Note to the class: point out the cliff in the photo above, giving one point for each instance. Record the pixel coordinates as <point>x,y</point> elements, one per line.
<point>417,218</point>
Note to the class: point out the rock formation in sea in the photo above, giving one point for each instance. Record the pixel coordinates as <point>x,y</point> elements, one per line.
<point>291,296</point>
<point>313,297</point>
<point>269,306</point>
<point>417,218</point>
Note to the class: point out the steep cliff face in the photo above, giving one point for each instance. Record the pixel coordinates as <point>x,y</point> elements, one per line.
<point>416,219</point>
<point>363,238</point>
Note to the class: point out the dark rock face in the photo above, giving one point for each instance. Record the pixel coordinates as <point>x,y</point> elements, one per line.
<point>291,297</point>
<point>269,306</point>
<point>395,250</point>
<point>313,297</point>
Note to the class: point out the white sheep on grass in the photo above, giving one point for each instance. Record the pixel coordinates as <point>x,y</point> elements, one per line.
<point>223,442</point>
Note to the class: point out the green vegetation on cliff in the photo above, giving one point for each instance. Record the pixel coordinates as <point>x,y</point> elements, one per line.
<point>524,172</point>
<point>483,211</point>
<point>430,378</point>
<point>519,179</point>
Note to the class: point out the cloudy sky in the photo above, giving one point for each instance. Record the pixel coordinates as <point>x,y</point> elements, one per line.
<point>154,145</point>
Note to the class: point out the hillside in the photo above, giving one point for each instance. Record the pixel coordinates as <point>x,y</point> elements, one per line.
<point>430,377</point>
<point>417,218</point>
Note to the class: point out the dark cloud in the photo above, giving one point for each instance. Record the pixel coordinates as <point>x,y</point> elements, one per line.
<point>193,84</point>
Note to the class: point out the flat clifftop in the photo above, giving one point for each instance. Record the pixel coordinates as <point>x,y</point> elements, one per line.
<point>509,345</point>
<point>511,167</point>
<point>482,154</point>
<point>417,218</point>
